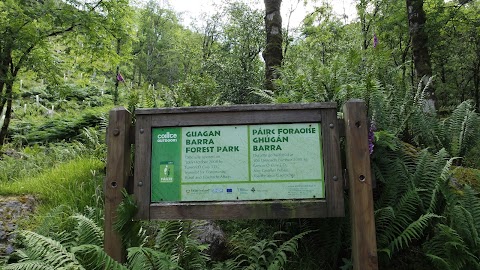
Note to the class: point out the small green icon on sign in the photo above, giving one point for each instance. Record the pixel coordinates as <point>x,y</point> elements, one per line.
<point>166,171</point>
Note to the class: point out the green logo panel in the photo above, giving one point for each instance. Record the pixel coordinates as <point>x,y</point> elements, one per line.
<point>166,164</point>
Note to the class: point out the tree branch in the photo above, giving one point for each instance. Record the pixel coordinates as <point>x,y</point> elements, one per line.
<point>24,57</point>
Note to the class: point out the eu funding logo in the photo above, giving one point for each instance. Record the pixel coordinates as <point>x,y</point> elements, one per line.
<point>167,137</point>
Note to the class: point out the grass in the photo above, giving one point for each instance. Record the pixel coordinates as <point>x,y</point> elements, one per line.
<point>75,183</point>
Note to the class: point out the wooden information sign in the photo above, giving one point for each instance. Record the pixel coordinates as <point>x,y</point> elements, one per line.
<point>242,162</point>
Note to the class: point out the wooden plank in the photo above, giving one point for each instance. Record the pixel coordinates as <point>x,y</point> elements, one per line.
<point>240,210</point>
<point>118,169</point>
<point>235,118</point>
<point>143,153</point>
<point>364,246</point>
<point>238,108</point>
<point>332,164</point>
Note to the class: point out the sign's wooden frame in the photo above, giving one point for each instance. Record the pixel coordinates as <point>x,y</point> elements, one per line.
<point>323,113</point>
<point>121,135</point>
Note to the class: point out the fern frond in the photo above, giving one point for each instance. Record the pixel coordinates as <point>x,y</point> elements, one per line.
<point>147,258</point>
<point>48,250</point>
<point>425,177</point>
<point>384,218</point>
<point>87,231</point>
<point>471,203</point>
<point>169,233</point>
<point>178,238</point>
<point>258,255</point>
<point>448,250</point>
<point>413,231</point>
<point>241,240</point>
<point>227,265</point>
<point>29,265</point>
<point>438,261</point>
<point>56,223</point>
<point>406,208</point>
<point>93,257</point>
<point>394,170</point>
<point>462,221</point>
<point>280,254</point>
<point>131,231</point>
<point>461,129</point>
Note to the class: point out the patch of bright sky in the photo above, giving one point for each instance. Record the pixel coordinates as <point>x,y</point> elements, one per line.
<point>191,9</point>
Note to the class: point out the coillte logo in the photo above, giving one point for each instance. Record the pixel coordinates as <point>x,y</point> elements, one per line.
<point>167,137</point>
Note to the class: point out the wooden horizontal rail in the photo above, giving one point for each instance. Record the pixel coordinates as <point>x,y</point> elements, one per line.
<point>238,108</point>
<point>240,210</point>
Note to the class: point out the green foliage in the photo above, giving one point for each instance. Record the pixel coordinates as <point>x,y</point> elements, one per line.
<point>94,257</point>
<point>424,217</point>
<point>58,128</point>
<point>447,250</point>
<point>254,253</point>
<point>471,159</point>
<point>31,39</point>
<point>232,41</point>
<point>41,251</point>
<point>31,160</point>
<point>147,258</point>
<point>461,129</point>
<point>177,239</point>
<point>158,50</point>
<point>417,208</point>
<point>467,176</point>
<point>81,249</point>
<point>131,231</point>
<point>74,183</point>
<point>87,231</point>
<point>196,91</point>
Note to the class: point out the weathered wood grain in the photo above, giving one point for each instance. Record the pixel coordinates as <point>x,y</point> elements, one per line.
<point>237,108</point>
<point>240,210</point>
<point>235,118</point>
<point>364,246</point>
<point>118,170</point>
<point>142,171</point>
<point>332,164</point>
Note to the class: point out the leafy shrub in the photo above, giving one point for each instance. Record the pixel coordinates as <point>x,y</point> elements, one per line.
<point>59,128</point>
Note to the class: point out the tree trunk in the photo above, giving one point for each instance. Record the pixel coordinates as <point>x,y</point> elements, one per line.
<point>273,52</point>
<point>421,56</point>
<point>476,84</point>
<point>115,92</point>
<point>8,112</point>
<point>6,89</point>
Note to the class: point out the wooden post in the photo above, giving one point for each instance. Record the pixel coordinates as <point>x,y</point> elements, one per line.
<point>118,170</point>
<point>364,245</point>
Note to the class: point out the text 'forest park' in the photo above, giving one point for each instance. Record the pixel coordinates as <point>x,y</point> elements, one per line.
<point>264,140</point>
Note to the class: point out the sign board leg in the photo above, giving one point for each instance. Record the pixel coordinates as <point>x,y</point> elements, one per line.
<point>118,170</point>
<point>364,245</point>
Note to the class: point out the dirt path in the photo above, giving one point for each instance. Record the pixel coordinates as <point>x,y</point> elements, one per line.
<point>12,210</point>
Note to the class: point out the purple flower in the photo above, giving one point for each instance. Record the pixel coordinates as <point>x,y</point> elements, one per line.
<point>371,136</point>
<point>120,78</point>
<point>375,40</point>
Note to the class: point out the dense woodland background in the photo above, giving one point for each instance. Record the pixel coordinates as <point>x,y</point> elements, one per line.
<point>65,64</point>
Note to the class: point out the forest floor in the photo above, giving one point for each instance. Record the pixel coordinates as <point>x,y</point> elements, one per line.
<point>13,209</point>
